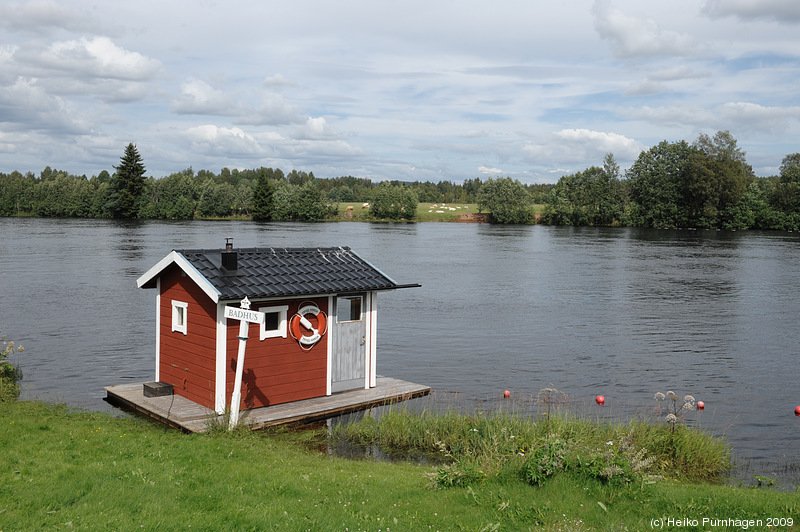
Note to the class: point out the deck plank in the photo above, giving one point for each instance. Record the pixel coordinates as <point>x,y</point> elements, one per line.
<point>179,412</point>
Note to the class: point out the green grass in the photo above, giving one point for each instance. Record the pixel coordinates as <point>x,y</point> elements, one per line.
<point>504,441</point>
<point>426,212</point>
<point>76,470</point>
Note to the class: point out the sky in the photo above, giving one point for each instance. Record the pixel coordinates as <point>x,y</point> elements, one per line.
<point>415,90</point>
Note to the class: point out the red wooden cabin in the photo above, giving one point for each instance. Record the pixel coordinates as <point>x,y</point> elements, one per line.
<point>318,335</point>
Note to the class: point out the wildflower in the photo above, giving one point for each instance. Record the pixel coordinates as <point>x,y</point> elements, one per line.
<point>660,396</point>
<point>688,399</point>
<point>671,418</point>
<point>672,395</point>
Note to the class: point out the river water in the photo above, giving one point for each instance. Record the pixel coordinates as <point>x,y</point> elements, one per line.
<point>620,312</point>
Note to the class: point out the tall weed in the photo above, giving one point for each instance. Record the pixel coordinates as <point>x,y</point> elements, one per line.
<point>10,375</point>
<point>512,444</point>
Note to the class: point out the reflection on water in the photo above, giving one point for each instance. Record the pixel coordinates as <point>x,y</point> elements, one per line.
<point>619,312</point>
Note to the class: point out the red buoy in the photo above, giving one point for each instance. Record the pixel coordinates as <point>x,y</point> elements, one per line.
<point>797,411</point>
<point>506,394</point>
<point>701,405</point>
<point>600,400</point>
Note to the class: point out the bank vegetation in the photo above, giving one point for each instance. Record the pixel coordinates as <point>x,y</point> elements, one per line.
<point>65,469</point>
<point>704,184</point>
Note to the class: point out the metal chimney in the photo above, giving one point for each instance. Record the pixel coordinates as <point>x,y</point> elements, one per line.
<point>230,258</point>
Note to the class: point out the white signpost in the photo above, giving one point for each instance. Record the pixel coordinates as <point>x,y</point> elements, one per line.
<point>245,317</point>
<point>250,316</point>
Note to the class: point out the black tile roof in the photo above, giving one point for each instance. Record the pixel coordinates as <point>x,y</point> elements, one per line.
<point>287,272</point>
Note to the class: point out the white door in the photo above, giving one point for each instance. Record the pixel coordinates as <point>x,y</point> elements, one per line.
<point>348,360</point>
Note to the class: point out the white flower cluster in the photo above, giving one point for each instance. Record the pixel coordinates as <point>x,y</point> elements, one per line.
<point>679,405</point>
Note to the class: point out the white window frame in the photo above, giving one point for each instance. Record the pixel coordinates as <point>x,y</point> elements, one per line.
<point>283,322</point>
<point>180,309</point>
<point>350,299</point>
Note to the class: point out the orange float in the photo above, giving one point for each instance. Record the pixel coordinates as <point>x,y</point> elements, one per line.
<point>299,324</point>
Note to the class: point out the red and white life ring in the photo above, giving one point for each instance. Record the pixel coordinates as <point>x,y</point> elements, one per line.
<point>299,324</point>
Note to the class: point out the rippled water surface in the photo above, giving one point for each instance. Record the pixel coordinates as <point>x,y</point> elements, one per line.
<point>619,312</point>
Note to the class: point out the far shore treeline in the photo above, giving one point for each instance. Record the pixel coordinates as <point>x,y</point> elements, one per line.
<point>705,184</point>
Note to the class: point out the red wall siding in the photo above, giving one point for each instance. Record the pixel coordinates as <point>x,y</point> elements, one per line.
<point>277,370</point>
<point>188,361</point>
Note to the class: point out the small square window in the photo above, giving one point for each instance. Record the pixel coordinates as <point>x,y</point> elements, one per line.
<point>275,323</point>
<point>180,316</point>
<point>348,309</point>
<point>272,321</point>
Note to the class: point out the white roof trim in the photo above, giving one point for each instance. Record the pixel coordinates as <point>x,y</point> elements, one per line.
<point>183,263</point>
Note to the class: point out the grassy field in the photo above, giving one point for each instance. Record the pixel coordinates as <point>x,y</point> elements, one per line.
<point>426,212</point>
<point>79,470</point>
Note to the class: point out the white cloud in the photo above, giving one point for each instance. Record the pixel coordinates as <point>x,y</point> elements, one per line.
<point>486,170</point>
<point>733,116</point>
<point>7,71</point>
<point>657,81</point>
<point>679,72</point>
<point>14,142</point>
<point>38,17</point>
<point>638,37</point>
<point>99,58</point>
<point>25,105</point>
<point>682,115</point>
<point>783,11</point>
<point>236,143</point>
<point>739,115</point>
<point>278,81</point>
<point>209,138</point>
<point>318,151</point>
<point>75,69</point>
<point>580,146</point>
<point>273,110</point>
<point>7,53</point>
<point>198,97</point>
<point>365,92</point>
<point>647,87</point>
<point>316,129</point>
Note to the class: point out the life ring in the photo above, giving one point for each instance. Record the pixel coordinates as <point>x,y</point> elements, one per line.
<point>299,324</point>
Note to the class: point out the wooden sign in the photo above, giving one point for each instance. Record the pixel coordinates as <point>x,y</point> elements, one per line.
<point>250,316</point>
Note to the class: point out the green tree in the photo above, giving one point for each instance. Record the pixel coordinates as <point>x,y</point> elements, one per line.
<point>591,197</point>
<point>718,176</point>
<point>104,177</point>
<point>174,197</point>
<point>341,194</point>
<point>309,203</point>
<point>790,168</point>
<point>264,196</point>
<point>471,188</point>
<point>301,203</point>
<point>243,198</point>
<point>786,194</point>
<point>393,202</point>
<point>128,184</point>
<point>299,178</point>
<point>216,199</point>
<point>507,200</point>
<point>610,166</point>
<point>657,181</point>
<point>16,193</point>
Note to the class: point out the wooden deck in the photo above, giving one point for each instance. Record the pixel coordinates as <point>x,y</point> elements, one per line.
<point>181,413</point>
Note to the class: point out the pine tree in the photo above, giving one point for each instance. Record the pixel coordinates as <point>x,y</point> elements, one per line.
<point>263,198</point>
<point>128,184</point>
